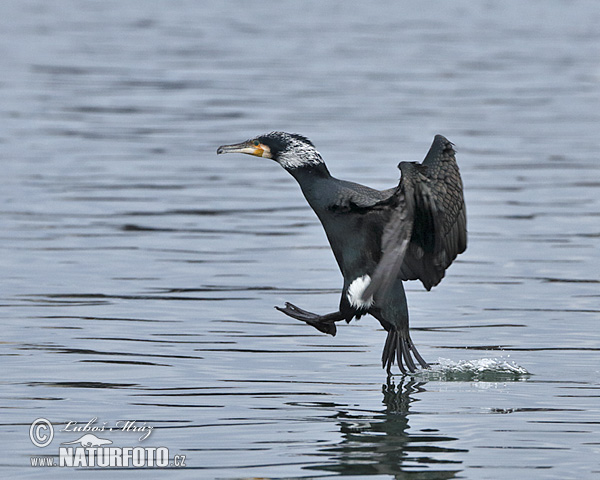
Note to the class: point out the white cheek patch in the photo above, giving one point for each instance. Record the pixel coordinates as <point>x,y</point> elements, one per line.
<point>266,151</point>
<point>356,290</point>
<point>299,157</point>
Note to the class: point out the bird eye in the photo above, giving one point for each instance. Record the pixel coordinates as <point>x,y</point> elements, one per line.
<point>256,143</point>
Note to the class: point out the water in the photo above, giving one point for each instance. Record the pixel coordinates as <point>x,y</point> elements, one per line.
<point>140,269</point>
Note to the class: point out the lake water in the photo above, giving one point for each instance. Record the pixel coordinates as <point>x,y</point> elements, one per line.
<point>140,270</point>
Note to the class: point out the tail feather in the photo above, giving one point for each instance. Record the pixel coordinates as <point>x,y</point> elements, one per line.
<point>398,349</point>
<point>389,351</point>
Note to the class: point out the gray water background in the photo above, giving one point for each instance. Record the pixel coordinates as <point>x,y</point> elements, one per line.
<point>139,270</point>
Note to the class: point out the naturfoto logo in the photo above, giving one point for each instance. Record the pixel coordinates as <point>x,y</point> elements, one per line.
<point>95,450</point>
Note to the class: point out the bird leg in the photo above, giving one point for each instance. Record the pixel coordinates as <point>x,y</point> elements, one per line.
<point>323,323</point>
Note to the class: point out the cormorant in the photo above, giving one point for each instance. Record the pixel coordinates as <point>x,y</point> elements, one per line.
<point>379,238</point>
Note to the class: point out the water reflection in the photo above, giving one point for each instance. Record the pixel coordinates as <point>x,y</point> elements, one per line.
<point>380,443</point>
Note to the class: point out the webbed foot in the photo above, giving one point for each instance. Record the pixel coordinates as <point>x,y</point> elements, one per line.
<point>323,323</point>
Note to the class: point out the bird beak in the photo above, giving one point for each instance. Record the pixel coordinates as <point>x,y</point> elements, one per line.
<point>248,147</point>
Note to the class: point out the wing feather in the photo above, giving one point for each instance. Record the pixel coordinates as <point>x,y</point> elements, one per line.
<point>427,229</point>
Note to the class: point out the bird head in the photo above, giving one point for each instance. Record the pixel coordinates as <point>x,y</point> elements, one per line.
<point>290,150</point>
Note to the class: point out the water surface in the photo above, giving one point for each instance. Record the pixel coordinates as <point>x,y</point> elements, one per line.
<point>140,270</point>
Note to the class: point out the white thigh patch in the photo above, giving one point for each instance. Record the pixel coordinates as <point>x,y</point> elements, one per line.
<point>356,290</point>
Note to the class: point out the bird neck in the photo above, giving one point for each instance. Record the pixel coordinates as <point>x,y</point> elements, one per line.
<point>307,174</point>
<point>313,180</point>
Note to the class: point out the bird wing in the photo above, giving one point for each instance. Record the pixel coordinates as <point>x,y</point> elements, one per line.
<point>360,198</point>
<point>428,227</point>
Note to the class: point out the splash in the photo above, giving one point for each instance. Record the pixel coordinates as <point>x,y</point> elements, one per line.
<point>483,369</point>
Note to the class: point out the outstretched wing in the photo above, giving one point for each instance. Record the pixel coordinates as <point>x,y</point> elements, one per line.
<point>428,228</point>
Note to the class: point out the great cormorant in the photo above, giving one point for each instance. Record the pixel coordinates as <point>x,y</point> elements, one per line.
<point>379,238</point>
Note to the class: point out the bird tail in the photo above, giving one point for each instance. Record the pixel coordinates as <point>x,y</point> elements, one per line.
<point>397,349</point>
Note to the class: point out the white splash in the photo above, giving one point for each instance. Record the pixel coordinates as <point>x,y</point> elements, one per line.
<point>356,290</point>
<point>482,369</point>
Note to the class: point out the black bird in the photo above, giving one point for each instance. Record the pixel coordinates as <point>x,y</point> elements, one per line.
<point>379,238</point>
